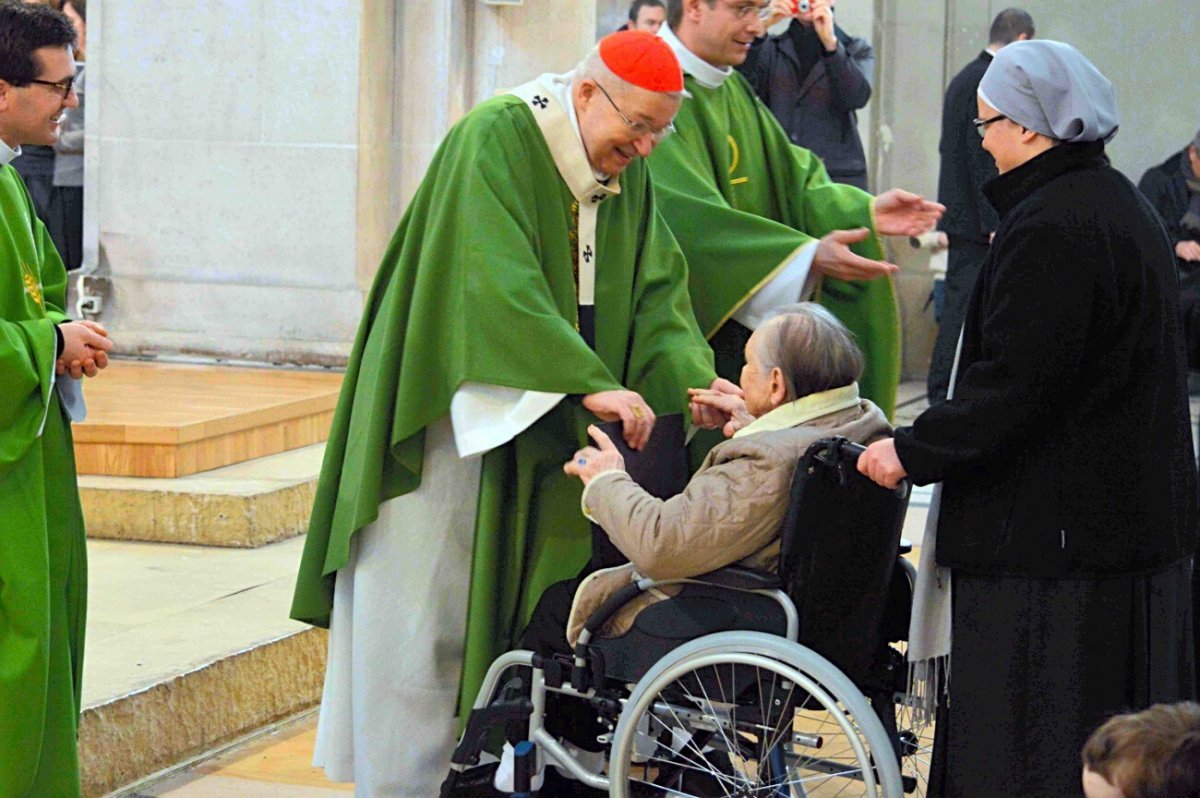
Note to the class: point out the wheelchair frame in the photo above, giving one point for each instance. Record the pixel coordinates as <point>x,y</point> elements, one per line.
<point>579,677</point>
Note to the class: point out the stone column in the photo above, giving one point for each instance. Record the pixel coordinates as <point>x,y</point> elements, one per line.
<point>248,160</point>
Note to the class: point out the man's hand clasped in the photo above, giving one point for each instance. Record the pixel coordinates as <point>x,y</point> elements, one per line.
<point>720,410</point>
<point>85,349</point>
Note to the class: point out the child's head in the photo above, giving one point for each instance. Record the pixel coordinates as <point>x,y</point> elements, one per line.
<point>1154,753</point>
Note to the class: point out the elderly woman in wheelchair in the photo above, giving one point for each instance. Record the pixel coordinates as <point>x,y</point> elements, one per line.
<point>694,670</point>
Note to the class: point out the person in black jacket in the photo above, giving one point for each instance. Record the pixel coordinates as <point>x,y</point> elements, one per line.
<point>1066,521</point>
<point>1173,188</point>
<point>814,78</point>
<point>969,220</point>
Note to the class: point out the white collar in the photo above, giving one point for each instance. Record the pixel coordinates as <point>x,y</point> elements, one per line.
<point>705,73</point>
<point>804,410</point>
<point>7,153</point>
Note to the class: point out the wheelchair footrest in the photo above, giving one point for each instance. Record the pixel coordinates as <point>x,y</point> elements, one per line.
<point>481,723</point>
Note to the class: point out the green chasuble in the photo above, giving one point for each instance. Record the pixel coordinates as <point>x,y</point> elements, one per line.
<point>479,285</point>
<point>742,200</point>
<point>43,560</point>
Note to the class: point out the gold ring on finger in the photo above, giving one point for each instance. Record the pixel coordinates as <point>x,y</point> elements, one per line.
<point>638,413</point>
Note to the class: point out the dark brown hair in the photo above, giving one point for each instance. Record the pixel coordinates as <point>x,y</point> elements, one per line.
<point>1154,753</point>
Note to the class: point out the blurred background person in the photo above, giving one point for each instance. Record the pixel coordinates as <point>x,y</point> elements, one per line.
<point>1154,753</point>
<point>64,217</point>
<point>815,77</point>
<point>647,15</point>
<point>969,221</point>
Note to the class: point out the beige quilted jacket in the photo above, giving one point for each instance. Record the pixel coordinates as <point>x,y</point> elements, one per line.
<point>729,512</point>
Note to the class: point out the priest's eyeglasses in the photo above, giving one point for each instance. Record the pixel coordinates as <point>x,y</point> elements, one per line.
<point>64,86</point>
<point>639,128</point>
<point>981,124</point>
<point>743,10</point>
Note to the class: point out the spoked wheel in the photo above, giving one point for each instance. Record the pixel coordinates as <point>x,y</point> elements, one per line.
<point>748,714</point>
<point>916,741</point>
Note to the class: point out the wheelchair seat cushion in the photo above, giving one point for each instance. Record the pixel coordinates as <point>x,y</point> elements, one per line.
<point>697,610</point>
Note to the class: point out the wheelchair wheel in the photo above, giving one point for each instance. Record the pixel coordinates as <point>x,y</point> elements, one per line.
<point>916,749</point>
<point>749,714</point>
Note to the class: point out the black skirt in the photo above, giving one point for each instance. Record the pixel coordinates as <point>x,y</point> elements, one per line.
<point>1037,664</point>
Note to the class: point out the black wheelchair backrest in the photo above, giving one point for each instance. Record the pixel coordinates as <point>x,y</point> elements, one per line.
<point>839,544</point>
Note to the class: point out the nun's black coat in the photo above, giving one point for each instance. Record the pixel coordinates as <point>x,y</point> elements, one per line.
<point>1069,505</point>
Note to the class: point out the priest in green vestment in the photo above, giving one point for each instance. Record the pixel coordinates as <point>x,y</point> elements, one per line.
<point>43,355</point>
<point>530,288</point>
<point>758,218</point>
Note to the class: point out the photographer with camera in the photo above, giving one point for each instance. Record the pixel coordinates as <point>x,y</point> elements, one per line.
<point>814,77</point>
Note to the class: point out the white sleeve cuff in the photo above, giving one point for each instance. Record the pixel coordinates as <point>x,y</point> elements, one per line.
<point>70,396</point>
<point>487,416</point>
<point>787,287</point>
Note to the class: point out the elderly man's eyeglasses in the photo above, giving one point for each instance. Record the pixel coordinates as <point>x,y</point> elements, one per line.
<point>981,124</point>
<point>64,86</point>
<point>639,128</point>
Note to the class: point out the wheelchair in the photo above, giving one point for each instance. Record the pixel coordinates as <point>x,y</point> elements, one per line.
<point>744,683</point>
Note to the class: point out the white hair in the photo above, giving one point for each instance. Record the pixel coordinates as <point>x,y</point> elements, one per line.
<point>811,347</point>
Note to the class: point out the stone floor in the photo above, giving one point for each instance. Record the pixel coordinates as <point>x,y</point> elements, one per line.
<point>278,762</point>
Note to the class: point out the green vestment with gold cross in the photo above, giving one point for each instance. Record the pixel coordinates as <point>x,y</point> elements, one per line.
<point>743,200</point>
<point>43,558</point>
<point>480,285</point>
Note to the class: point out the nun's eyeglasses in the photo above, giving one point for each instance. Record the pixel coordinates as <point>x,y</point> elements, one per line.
<point>981,124</point>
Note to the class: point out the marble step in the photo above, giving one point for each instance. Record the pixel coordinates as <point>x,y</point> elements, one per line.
<point>244,505</point>
<point>188,648</point>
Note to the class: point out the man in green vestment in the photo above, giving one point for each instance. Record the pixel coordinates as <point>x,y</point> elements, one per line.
<point>43,561</point>
<point>758,218</point>
<point>530,288</point>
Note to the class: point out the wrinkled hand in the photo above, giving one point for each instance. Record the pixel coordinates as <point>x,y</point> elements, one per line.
<point>1188,250</point>
<point>881,464</point>
<point>706,417</point>
<point>834,258</point>
<point>728,410</point>
<point>627,406</point>
<point>85,349</point>
<point>591,460</point>
<point>780,9</point>
<point>901,213</point>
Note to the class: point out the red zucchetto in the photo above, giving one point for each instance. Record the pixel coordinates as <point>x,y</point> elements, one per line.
<point>642,59</point>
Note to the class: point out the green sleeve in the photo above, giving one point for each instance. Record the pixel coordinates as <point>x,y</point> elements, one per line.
<point>466,292</point>
<point>667,350</point>
<point>27,354</point>
<point>730,252</point>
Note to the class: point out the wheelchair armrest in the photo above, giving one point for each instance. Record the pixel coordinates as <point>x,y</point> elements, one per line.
<point>739,577</point>
<point>607,610</point>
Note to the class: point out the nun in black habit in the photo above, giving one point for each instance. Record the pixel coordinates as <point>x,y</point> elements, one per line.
<point>1055,587</point>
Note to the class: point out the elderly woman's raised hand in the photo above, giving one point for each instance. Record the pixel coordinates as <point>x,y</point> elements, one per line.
<point>726,411</point>
<point>591,460</point>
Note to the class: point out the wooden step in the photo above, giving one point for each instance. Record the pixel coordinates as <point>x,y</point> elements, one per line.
<point>170,420</point>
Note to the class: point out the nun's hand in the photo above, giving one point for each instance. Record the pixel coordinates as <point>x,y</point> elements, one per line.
<point>881,464</point>
<point>1188,250</point>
